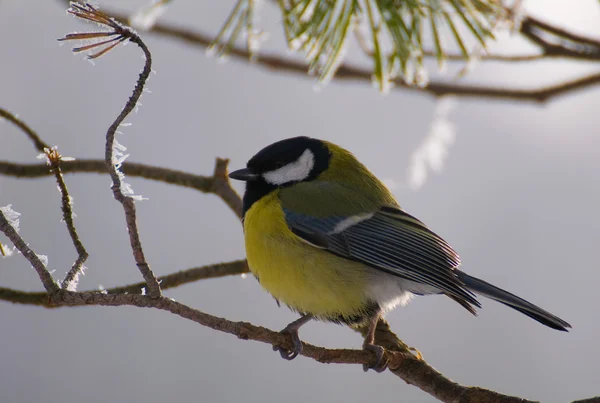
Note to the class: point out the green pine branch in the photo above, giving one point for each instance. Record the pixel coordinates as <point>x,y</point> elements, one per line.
<point>398,29</point>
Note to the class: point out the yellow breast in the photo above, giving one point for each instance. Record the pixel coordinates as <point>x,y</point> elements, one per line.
<point>306,278</point>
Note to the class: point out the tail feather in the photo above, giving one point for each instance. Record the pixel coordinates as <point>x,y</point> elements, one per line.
<point>527,308</point>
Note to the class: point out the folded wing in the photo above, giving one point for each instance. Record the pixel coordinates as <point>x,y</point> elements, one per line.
<point>389,240</point>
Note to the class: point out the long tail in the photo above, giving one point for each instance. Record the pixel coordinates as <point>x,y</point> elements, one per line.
<point>497,294</point>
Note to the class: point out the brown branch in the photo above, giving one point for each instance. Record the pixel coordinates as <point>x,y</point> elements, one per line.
<point>349,72</point>
<point>190,275</point>
<point>39,144</point>
<point>120,33</point>
<point>403,365</point>
<point>204,184</point>
<point>54,160</point>
<point>588,400</point>
<point>222,187</point>
<point>11,233</point>
<point>280,64</point>
<point>541,33</point>
<point>172,280</point>
<point>70,281</point>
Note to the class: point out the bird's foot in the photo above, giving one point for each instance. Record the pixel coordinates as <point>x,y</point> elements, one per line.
<point>381,363</point>
<point>290,354</point>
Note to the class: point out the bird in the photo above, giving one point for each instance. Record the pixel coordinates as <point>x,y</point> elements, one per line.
<point>327,238</point>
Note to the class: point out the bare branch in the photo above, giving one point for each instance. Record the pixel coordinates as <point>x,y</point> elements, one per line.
<point>39,144</point>
<point>172,280</point>
<point>203,184</point>
<point>556,41</point>
<point>189,276</point>
<point>30,255</point>
<point>222,187</point>
<point>282,64</point>
<point>589,400</point>
<point>403,365</point>
<point>121,33</point>
<point>55,159</point>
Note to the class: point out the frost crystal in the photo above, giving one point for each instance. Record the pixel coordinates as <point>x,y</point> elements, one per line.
<point>11,216</point>
<point>43,259</point>
<point>44,157</point>
<point>72,285</point>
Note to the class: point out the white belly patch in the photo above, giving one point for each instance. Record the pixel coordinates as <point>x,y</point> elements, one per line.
<point>390,291</point>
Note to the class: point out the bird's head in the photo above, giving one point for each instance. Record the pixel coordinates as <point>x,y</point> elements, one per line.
<point>285,162</point>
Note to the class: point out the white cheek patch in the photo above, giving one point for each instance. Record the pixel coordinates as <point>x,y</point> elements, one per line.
<point>294,171</point>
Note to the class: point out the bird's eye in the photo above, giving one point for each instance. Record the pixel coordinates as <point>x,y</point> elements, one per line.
<point>279,164</point>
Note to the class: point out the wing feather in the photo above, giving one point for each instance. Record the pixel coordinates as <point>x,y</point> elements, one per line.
<point>389,240</point>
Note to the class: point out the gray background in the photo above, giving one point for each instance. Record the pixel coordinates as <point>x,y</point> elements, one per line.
<point>518,198</point>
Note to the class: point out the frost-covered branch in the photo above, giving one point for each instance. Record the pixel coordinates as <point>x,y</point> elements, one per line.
<point>9,225</point>
<point>172,280</point>
<point>122,193</point>
<point>205,184</point>
<point>401,363</point>
<point>54,159</point>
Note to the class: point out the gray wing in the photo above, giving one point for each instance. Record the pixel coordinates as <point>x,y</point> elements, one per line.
<point>389,240</point>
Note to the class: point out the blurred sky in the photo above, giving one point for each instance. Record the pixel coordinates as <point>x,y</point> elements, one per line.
<point>517,197</point>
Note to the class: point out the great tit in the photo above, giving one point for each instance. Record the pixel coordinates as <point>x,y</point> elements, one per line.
<point>325,237</point>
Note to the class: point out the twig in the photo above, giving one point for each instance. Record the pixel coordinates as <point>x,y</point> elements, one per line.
<point>349,72</point>
<point>119,34</point>
<point>70,281</point>
<point>459,57</point>
<point>222,187</point>
<point>281,64</point>
<point>588,400</point>
<point>39,144</point>
<point>54,160</point>
<point>535,30</point>
<point>172,280</point>
<point>190,275</point>
<point>204,184</point>
<point>30,255</point>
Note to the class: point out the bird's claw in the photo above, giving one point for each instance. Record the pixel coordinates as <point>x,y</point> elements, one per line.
<point>290,354</point>
<point>381,363</point>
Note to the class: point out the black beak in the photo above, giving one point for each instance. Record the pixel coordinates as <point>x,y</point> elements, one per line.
<point>244,174</point>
